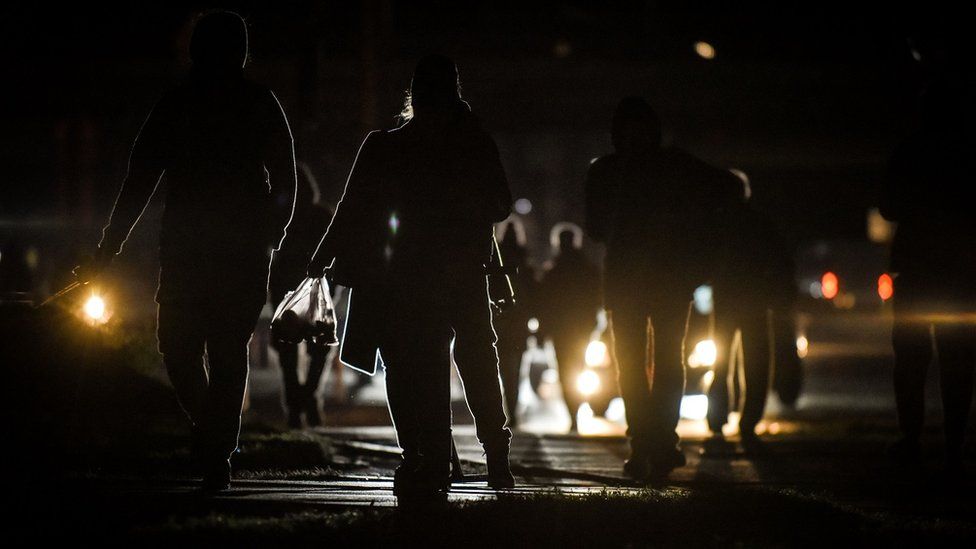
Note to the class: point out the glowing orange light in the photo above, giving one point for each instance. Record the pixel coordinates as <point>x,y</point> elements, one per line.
<point>886,287</point>
<point>829,285</point>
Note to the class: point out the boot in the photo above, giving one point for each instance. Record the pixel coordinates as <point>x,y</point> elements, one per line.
<point>666,460</point>
<point>500,475</point>
<point>414,481</point>
<point>216,476</point>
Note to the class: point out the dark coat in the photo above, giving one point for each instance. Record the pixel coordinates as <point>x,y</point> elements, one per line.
<point>418,209</point>
<point>660,215</point>
<point>216,140</point>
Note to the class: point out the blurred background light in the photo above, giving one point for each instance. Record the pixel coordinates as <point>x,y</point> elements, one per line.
<point>705,50</point>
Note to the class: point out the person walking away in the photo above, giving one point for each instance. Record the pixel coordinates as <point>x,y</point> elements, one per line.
<point>570,301</point>
<point>411,237</point>
<point>225,147</point>
<point>658,210</point>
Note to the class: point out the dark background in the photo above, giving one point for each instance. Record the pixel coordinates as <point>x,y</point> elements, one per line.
<point>808,100</point>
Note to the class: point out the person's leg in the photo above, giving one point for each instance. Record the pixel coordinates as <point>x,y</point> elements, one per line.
<point>318,357</point>
<point>755,350</point>
<point>566,347</point>
<point>288,362</point>
<point>229,330</point>
<point>912,343</point>
<point>181,342</point>
<point>957,359</point>
<point>510,368</point>
<point>477,363</point>
<point>630,342</point>
<point>669,321</point>
<point>718,392</point>
<point>788,368</point>
<point>417,359</point>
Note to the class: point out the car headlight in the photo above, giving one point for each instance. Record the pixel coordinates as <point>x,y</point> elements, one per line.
<point>94,309</point>
<point>704,355</point>
<point>596,353</point>
<point>588,383</point>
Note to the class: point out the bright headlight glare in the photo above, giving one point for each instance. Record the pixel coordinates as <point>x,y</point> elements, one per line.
<point>588,383</point>
<point>95,308</point>
<point>596,353</point>
<point>705,354</point>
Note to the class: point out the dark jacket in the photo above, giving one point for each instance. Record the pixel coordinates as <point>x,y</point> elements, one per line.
<point>417,198</point>
<point>417,211</point>
<point>660,215</point>
<point>216,140</point>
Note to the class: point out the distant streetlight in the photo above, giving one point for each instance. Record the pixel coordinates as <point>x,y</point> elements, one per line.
<point>705,50</point>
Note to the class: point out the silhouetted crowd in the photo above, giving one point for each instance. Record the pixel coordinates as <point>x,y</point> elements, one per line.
<point>414,231</point>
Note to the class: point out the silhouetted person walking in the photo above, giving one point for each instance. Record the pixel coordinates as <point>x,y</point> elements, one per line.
<point>656,208</point>
<point>512,325</point>
<point>569,304</point>
<point>411,237</point>
<point>287,272</point>
<point>933,261</point>
<point>754,278</point>
<point>225,148</point>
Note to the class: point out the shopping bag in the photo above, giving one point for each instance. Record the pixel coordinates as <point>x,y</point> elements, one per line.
<point>306,314</point>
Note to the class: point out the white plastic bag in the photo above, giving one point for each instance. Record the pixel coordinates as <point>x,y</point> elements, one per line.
<point>306,314</point>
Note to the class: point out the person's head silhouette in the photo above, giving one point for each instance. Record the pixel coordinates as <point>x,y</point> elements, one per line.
<point>567,242</point>
<point>219,42</point>
<point>435,87</point>
<point>636,127</point>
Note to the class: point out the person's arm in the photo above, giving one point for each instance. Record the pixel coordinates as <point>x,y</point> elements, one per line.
<point>360,192</point>
<point>147,164</point>
<point>280,164</point>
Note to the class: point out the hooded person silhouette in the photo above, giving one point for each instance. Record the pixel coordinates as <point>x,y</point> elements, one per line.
<point>569,303</point>
<point>411,237</point>
<point>225,148</point>
<point>658,210</point>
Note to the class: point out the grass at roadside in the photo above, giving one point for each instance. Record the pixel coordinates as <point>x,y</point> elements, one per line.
<point>672,517</point>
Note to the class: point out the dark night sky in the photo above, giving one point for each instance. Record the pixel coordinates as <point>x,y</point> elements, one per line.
<point>813,96</point>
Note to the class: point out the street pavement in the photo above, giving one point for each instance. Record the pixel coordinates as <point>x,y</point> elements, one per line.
<point>830,445</point>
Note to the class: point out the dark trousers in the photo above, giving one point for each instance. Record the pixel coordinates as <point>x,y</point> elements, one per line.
<point>300,396</point>
<point>477,362</point>
<point>920,322</point>
<point>753,378</point>
<point>570,349</point>
<point>211,392</point>
<point>416,352</point>
<point>511,347</point>
<point>648,345</point>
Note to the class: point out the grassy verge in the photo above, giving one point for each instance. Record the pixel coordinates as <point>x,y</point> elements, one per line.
<point>670,517</point>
